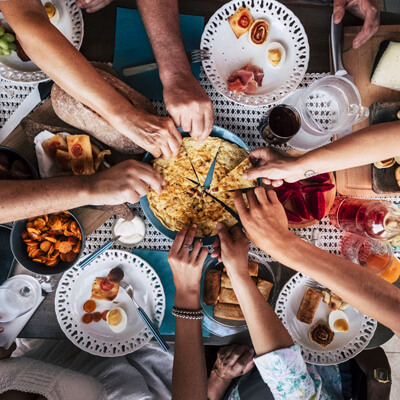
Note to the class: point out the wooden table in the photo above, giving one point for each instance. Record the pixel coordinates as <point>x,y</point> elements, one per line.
<point>98,45</point>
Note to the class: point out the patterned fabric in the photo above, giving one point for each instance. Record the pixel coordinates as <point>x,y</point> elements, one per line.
<point>290,378</point>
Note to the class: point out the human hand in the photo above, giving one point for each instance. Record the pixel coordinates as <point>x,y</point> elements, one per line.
<point>364,9</point>
<point>5,353</point>
<point>158,135</point>
<point>265,220</point>
<point>124,182</point>
<point>92,5</point>
<point>233,361</point>
<point>187,265</point>
<point>189,106</point>
<point>273,167</point>
<point>232,248</point>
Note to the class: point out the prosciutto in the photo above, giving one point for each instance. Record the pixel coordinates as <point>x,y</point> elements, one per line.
<point>246,80</point>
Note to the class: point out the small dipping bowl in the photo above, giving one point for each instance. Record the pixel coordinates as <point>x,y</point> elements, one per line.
<point>131,232</point>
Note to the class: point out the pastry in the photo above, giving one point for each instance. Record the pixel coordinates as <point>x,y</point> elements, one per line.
<point>228,296</point>
<point>241,21</point>
<point>385,163</point>
<point>212,285</point>
<point>321,334</point>
<point>309,305</point>
<point>228,311</point>
<point>80,151</point>
<point>258,33</point>
<point>103,289</point>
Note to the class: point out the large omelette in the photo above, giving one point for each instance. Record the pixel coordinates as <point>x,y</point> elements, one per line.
<point>184,200</point>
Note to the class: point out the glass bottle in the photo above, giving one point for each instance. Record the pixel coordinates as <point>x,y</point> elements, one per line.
<point>376,219</point>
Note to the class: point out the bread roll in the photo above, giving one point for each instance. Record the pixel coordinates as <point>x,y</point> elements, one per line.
<point>82,117</point>
<point>212,285</point>
<point>228,296</point>
<point>309,305</point>
<point>264,287</point>
<point>228,311</point>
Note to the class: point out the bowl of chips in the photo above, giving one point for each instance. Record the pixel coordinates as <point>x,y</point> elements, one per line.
<point>48,244</point>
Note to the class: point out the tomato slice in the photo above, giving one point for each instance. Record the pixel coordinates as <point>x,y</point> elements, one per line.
<point>244,21</point>
<point>76,150</point>
<point>106,286</point>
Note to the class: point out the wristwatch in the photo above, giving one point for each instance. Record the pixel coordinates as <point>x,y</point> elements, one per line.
<point>381,375</point>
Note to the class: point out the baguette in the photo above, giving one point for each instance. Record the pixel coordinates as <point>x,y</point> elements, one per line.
<point>228,311</point>
<point>82,117</point>
<point>309,305</point>
<point>212,285</point>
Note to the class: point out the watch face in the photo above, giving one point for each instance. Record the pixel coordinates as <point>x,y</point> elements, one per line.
<point>382,375</point>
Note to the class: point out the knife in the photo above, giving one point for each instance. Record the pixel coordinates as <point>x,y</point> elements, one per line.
<point>40,93</point>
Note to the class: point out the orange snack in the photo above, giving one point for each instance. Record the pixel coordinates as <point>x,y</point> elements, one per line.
<point>393,272</point>
<point>87,318</point>
<point>89,306</point>
<point>51,239</point>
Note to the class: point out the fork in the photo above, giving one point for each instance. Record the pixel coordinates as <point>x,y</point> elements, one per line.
<point>193,56</point>
<point>129,290</point>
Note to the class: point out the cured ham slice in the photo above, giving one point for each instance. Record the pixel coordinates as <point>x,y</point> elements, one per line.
<point>246,80</point>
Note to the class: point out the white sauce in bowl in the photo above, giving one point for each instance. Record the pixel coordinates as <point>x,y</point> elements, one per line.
<point>131,232</point>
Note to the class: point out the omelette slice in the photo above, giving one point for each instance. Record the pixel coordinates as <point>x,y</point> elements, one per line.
<point>229,157</point>
<point>234,180</point>
<point>201,154</point>
<point>206,213</point>
<point>176,170</point>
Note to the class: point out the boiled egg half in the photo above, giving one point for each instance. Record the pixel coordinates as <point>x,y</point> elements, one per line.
<point>117,319</point>
<point>338,321</point>
<point>276,54</point>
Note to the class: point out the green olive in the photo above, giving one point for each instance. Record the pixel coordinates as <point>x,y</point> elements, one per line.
<point>7,52</point>
<point>9,37</point>
<point>2,31</point>
<point>12,46</point>
<point>3,44</point>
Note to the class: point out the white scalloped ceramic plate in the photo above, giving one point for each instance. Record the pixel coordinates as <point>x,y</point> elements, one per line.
<point>97,338</point>
<point>70,25</point>
<point>228,53</point>
<point>344,346</point>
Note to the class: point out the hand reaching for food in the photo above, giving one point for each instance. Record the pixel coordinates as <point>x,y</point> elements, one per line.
<point>157,135</point>
<point>273,167</point>
<point>91,6</point>
<point>364,9</point>
<point>232,248</point>
<point>265,220</point>
<point>124,182</point>
<point>189,106</point>
<point>186,262</point>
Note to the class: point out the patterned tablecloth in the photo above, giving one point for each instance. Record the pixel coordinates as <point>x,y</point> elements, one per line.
<point>241,120</point>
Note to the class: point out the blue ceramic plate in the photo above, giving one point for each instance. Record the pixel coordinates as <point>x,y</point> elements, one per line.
<point>144,203</point>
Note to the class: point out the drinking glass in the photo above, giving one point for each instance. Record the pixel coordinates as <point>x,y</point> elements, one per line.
<point>18,295</point>
<point>376,255</point>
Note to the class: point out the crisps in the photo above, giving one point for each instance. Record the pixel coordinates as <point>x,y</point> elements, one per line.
<point>50,239</point>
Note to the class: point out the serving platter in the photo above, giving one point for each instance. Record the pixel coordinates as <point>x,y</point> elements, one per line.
<point>70,25</point>
<point>344,346</point>
<point>228,54</point>
<point>217,131</point>
<point>97,338</point>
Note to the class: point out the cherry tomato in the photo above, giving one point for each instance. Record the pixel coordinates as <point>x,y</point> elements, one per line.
<point>106,286</point>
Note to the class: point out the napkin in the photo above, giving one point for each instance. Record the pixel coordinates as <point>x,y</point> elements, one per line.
<point>132,47</point>
<point>159,261</point>
<point>13,328</point>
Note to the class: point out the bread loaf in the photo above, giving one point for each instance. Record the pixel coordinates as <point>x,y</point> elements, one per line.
<point>82,117</point>
<point>228,311</point>
<point>212,285</point>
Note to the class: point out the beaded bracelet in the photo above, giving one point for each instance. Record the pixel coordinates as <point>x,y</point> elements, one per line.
<point>187,314</point>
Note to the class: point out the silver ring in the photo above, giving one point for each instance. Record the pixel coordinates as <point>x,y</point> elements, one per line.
<point>188,246</point>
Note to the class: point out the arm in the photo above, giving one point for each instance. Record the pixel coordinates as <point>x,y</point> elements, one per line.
<point>125,182</point>
<point>359,148</point>
<point>53,53</point>
<point>189,375</point>
<point>185,100</point>
<point>266,330</point>
<point>266,225</point>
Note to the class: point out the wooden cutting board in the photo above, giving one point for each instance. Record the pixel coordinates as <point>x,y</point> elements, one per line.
<point>90,218</point>
<point>359,63</point>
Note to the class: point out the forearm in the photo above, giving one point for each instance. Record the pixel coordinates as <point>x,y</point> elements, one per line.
<point>266,330</point>
<point>25,199</point>
<point>161,19</point>
<point>53,53</point>
<point>189,376</point>
<point>358,286</point>
<point>375,143</point>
